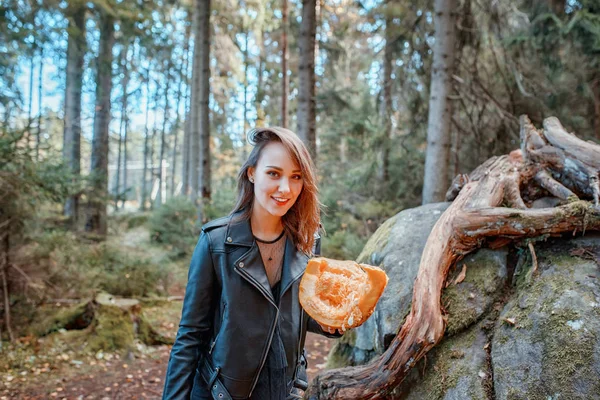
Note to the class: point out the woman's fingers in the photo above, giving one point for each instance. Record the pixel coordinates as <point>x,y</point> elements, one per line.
<point>331,330</point>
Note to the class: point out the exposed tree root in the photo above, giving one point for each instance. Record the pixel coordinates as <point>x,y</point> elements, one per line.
<point>489,206</point>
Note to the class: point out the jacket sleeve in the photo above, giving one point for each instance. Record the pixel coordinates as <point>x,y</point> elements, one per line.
<point>312,325</point>
<point>195,325</point>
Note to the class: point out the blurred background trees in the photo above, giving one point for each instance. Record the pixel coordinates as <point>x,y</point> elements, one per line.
<point>109,107</point>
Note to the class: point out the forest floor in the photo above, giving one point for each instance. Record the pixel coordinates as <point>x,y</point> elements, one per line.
<point>49,368</point>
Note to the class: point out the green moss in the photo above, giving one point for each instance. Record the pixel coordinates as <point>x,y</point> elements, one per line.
<point>461,314</point>
<point>113,330</point>
<point>377,242</point>
<point>75,317</point>
<point>567,355</point>
<point>482,279</point>
<point>148,335</point>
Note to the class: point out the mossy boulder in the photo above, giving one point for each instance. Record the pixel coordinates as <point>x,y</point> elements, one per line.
<point>547,340</point>
<point>396,247</point>
<point>512,333</point>
<point>457,369</point>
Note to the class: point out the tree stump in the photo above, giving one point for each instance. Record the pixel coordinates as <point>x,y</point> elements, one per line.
<point>104,323</point>
<point>490,206</point>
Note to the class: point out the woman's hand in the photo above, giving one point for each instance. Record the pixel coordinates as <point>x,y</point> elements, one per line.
<point>331,330</point>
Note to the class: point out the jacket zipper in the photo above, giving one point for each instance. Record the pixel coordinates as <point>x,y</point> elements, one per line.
<point>264,357</point>
<point>300,340</point>
<point>212,345</point>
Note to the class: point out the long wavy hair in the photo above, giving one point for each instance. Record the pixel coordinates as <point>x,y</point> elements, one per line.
<point>302,220</point>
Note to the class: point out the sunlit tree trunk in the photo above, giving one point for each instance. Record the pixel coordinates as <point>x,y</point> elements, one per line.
<point>387,95</point>
<point>96,218</point>
<point>146,137</point>
<point>72,119</point>
<point>163,142</point>
<point>122,62</point>
<point>31,84</point>
<point>437,159</point>
<point>39,122</point>
<point>126,134</point>
<point>153,140</point>
<point>285,83</point>
<point>306,77</point>
<point>183,74</point>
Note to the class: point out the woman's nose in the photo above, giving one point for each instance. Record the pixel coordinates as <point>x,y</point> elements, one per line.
<point>284,185</point>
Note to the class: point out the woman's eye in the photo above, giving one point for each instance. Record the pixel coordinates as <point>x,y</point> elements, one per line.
<point>297,177</point>
<point>273,174</point>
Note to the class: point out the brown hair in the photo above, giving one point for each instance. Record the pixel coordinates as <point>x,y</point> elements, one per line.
<point>301,222</point>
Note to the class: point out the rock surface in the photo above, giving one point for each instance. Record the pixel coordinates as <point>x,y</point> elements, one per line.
<point>510,336</point>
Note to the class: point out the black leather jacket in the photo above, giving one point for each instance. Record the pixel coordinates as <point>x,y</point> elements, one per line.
<point>229,315</point>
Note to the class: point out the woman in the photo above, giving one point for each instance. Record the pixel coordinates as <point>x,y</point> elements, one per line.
<point>242,328</point>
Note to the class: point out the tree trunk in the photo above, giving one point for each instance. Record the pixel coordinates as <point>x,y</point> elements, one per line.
<point>4,264</point>
<point>285,83</point>
<point>126,134</point>
<point>39,124</point>
<point>246,83</point>
<point>596,100</point>
<point>387,96</point>
<point>200,135</point>
<point>306,76</point>
<point>481,211</point>
<point>205,184</point>
<point>96,221</point>
<point>163,144</point>
<point>183,75</point>
<point>30,107</point>
<point>153,140</point>
<point>122,62</point>
<point>437,158</point>
<point>146,135</point>
<point>185,162</point>
<point>72,127</point>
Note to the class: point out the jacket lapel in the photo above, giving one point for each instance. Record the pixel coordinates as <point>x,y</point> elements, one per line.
<point>250,265</point>
<point>294,264</point>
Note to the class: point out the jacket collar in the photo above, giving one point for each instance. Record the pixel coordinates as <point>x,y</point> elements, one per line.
<point>239,233</point>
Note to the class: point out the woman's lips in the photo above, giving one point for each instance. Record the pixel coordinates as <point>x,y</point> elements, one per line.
<point>280,201</point>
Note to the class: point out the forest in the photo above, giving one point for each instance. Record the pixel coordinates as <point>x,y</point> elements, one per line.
<point>124,126</point>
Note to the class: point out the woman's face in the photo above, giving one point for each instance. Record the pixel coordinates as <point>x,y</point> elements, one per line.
<point>277,180</point>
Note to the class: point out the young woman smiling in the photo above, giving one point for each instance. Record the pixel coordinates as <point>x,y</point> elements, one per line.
<point>242,328</point>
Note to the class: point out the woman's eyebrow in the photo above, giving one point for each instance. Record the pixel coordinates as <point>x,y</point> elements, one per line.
<point>281,169</point>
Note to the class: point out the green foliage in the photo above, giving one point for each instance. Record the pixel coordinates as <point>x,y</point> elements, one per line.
<point>73,268</point>
<point>174,224</point>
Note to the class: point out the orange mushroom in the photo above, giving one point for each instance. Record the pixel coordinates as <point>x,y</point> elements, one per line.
<point>341,294</point>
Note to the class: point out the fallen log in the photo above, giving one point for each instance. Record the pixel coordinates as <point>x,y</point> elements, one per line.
<point>491,205</point>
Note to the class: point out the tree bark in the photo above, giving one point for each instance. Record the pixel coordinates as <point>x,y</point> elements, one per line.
<point>96,219</point>
<point>387,95</point>
<point>146,136</point>
<point>478,214</point>
<point>285,83</point>
<point>306,76</point>
<point>72,124</point>
<point>200,123</point>
<point>183,74</point>
<point>31,84</point>
<point>124,82</point>
<point>205,185</point>
<point>437,159</point>
<point>163,144</point>
<point>38,142</point>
